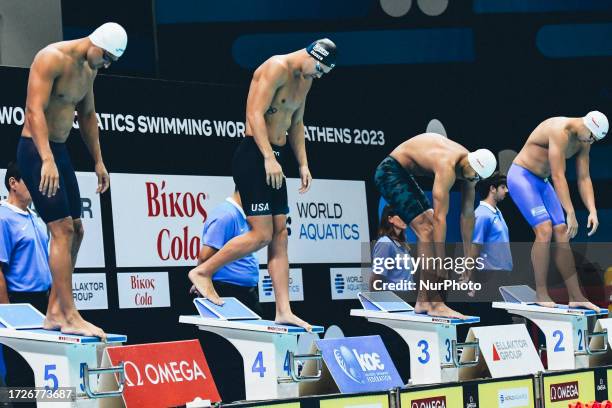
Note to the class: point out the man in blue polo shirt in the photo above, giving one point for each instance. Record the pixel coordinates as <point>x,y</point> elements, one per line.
<point>491,242</point>
<point>491,238</point>
<point>239,278</point>
<point>25,276</point>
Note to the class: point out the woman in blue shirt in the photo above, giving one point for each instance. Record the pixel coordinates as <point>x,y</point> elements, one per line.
<point>391,243</point>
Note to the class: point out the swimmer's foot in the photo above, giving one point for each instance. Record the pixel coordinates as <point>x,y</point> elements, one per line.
<point>204,285</point>
<point>437,309</point>
<point>290,318</point>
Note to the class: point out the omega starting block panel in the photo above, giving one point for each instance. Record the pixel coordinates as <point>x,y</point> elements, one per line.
<point>268,349</point>
<point>435,354</point>
<point>58,359</point>
<point>569,344</point>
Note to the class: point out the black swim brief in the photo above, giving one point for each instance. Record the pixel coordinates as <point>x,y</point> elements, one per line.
<point>258,198</point>
<point>400,189</point>
<point>67,201</point>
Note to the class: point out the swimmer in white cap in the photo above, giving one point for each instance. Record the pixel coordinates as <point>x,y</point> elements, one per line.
<point>542,159</point>
<point>60,82</point>
<point>432,155</point>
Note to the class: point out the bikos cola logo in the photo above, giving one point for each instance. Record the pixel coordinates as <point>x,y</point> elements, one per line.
<point>355,365</point>
<point>184,245</point>
<point>143,284</point>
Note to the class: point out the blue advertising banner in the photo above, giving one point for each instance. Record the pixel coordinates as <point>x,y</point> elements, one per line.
<point>359,364</point>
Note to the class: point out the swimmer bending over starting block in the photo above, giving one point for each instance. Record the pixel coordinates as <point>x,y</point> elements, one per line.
<point>433,155</point>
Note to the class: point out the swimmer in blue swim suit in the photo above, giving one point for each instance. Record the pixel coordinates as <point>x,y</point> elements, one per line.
<point>542,158</point>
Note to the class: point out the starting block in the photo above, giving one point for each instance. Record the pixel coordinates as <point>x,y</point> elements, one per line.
<point>58,359</point>
<point>268,349</point>
<point>435,354</point>
<point>569,343</point>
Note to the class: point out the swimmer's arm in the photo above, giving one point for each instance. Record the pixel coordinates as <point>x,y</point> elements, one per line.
<point>259,100</point>
<point>557,146</point>
<point>88,125</point>
<point>3,291</point>
<point>467,215</point>
<point>43,72</point>
<point>205,253</point>
<point>474,252</point>
<point>296,136</point>
<point>297,140</point>
<point>441,196</point>
<point>479,234</point>
<point>585,185</point>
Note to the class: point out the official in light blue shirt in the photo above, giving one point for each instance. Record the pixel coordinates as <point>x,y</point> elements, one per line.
<point>24,265</point>
<point>491,242</point>
<point>239,278</point>
<point>25,276</point>
<point>23,250</point>
<point>491,231</point>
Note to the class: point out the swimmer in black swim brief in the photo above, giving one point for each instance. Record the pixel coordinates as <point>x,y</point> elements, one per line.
<point>275,112</point>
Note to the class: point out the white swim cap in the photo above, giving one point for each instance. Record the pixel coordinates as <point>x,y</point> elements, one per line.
<point>483,162</point>
<point>110,37</point>
<point>597,124</point>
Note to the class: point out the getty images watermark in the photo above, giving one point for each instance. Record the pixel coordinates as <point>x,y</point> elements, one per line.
<point>407,265</point>
<point>467,273</point>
